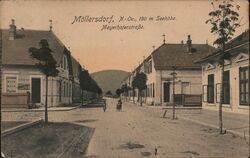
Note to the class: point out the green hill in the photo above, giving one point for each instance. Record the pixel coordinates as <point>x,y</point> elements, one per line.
<point>109,79</point>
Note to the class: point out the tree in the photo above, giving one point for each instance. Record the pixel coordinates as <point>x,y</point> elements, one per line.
<point>88,83</point>
<point>140,81</point>
<point>133,88</point>
<point>108,93</point>
<point>124,89</point>
<point>84,79</point>
<point>118,92</point>
<point>224,20</point>
<point>46,64</point>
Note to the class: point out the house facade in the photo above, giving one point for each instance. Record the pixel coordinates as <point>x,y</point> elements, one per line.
<point>172,74</point>
<point>23,84</point>
<point>236,77</point>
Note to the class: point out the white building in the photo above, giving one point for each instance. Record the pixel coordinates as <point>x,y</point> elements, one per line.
<point>159,67</point>
<point>23,83</point>
<point>236,77</point>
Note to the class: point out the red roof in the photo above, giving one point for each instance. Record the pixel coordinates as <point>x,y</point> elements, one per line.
<point>169,55</point>
<point>242,40</point>
<point>15,52</point>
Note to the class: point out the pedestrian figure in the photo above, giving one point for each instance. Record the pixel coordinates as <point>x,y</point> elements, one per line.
<point>156,151</point>
<point>104,105</point>
<point>119,105</point>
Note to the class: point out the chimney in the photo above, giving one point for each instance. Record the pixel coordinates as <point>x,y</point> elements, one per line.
<point>189,44</point>
<point>12,30</point>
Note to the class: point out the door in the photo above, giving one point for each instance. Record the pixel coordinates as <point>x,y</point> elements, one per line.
<point>36,90</point>
<point>166,92</point>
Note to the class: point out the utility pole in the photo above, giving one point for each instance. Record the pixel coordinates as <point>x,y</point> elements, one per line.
<point>174,76</point>
<point>164,38</point>
<point>50,27</point>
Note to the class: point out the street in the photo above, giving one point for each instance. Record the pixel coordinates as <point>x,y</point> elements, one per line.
<point>142,132</point>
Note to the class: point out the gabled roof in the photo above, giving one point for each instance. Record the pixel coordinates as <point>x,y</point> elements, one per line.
<point>15,52</point>
<point>242,38</point>
<point>169,55</point>
<point>240,41</point>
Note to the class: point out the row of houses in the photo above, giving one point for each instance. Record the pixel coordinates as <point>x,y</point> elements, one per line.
<point>23,83</point>
<point>188,74</point>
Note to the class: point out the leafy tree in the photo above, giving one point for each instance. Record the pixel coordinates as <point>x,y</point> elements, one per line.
<point>140,81</point>
<point>84,79</point>
<point>109,93</point>
<point>118,92</point>
<point>88,83</point>
<point>94,87</point>
<point>46,64</point>
<point>124,89</point>
<point>224,20</point>
<point>133,88</point>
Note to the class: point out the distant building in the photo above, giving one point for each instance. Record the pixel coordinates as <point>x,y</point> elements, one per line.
<point>23,83</point>
<point>236,77</point>
<point>159,67</point>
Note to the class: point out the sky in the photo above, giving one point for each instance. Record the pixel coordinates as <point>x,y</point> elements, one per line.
<point>98,49</point>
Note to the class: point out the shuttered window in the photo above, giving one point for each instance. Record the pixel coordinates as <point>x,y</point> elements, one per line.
<point>244,86</point>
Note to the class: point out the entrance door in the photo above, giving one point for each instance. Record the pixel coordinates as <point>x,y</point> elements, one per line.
<point>166,92</point>
<point>36,90</point>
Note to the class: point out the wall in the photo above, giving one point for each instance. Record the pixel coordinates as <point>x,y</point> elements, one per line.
<point>191,76</point>
<point>24,75</point>
<point>233,67</point>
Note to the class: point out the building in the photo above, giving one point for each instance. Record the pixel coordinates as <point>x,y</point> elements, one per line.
<point>173,61</point>
<point>23,84</point>
<point>236,77</point>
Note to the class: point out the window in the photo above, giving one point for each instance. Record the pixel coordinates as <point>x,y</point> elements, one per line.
<point>153,90</point>
<point>64,64</point>
<point>210,89</point>
<point>11,82</point>
<point>205,93</point>
<point>244,86</point>
<point>185,88</point>
<point>64,89</point>
<point>60,90</point>
<point>226,88</point>
<point>70,90</point>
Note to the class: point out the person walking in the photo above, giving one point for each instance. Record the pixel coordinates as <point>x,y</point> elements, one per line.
<point>104,105</point>
<point>119,105</point>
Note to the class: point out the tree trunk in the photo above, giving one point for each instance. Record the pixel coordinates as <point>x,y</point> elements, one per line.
<point>46,100</point>
<point>138,96</point>
<point>221,90</point>
<point>141,97</point>
<point>82,97</point>
<point>133,96</point>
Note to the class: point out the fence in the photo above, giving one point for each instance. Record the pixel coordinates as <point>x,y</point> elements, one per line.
<point>188,99</point>
<point>15,100</point>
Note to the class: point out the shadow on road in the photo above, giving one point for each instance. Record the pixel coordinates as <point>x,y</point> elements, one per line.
<point>85,121</point>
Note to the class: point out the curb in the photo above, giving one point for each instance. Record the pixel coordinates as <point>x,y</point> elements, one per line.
<point>243,135</point>
<point>39,110</point>
<point>20,127</point>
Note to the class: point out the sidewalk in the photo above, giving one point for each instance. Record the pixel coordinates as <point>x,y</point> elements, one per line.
<point>42,108</point>
<point>232,122</point>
